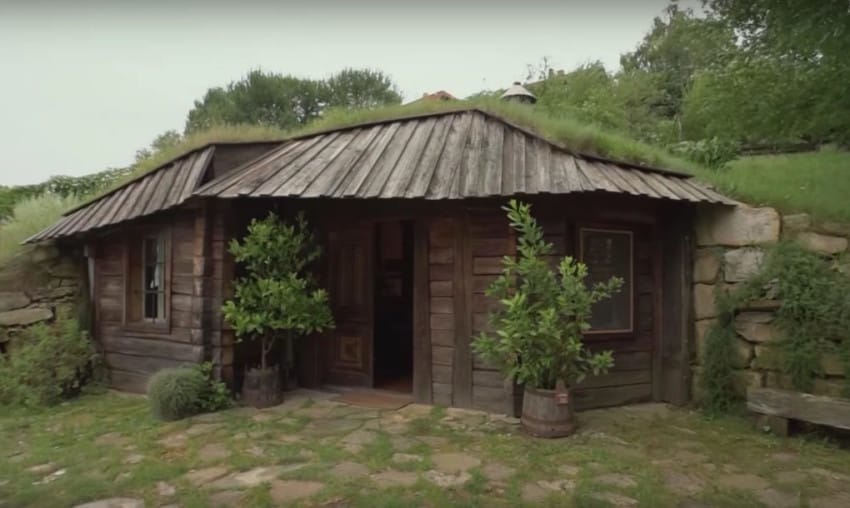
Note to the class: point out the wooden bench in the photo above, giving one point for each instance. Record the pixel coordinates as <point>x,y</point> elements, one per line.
<point>776,407</point>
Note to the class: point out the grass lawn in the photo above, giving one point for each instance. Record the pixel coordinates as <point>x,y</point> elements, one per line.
<point>817,183</point>
<point>315,452</point>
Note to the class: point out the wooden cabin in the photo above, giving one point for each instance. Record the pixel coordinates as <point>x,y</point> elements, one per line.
<point>408,212</point>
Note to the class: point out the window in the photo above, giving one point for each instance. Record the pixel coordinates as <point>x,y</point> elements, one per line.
<point>147,259</point>
<point>608,253</point>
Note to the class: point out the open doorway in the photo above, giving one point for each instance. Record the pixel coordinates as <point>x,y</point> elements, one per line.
<point>393,332</point>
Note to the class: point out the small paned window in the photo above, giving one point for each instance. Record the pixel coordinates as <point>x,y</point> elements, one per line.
<point>147,279</point>
<point>609,253</point>
<point>153,282</point>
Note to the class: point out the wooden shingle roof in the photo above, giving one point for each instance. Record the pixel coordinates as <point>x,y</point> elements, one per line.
<point>449,155</point>
<point>453,154</point>
<point>161,189</point>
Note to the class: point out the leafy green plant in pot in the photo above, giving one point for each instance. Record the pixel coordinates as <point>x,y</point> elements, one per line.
<point>276,298</point>
<point>536,337</point>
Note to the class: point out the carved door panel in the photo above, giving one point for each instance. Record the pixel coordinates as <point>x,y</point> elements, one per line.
<point>350,284</point>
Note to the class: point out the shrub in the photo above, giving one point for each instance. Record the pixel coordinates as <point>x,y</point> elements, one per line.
<point>176,393</point>
<point>814,320</point>
<point>179,392</point>
<point>47,364</point>
<point>216,396</point>
<point>713,153</point>
<point>277,296</point>
<point>537,338</point>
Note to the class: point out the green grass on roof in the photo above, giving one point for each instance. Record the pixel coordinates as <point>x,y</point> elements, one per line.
<point>574,135</point>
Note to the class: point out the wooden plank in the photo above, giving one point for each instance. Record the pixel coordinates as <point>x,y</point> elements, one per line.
<point>445,179</point>
<point>480,322</point>
<point>443,337</point>
<point>153,348</point>
<point>442,394</point>
<point>440,255</point>
<point>617,378</point>
<point>611,396</point>
<point>418,187</point>
<point>492,166</point>
<point>442,305</point>
<point>131,382</point>
<point>141,364</point>
<point>484,304</point>
<point>462,380</point>
<point>442,272</point>
<point>491,399</point>
<point>480,283</point>
<point>422,349</point>
<point>442,373</point>
<point>442,355</point>
<point>676,321</point>
<point>492,378</point>
<point>487,265</point>
<point>817,409</point>
<point>442,321</point>
<point>441,288</point>
<point>471,175</point>
<point>490,246</point>
<point>634,360</point>
<point>408,164</point>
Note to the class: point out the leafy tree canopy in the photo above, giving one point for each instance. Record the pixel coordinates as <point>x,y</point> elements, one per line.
<point>287,101</point>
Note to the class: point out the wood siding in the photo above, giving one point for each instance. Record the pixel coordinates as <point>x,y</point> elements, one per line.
<point>133,354</point>
<point>442,323</point>
<point>200,280</point>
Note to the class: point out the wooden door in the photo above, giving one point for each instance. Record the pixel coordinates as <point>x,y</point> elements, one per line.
<point>350,284</point>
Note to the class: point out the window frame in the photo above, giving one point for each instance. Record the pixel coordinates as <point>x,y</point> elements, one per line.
<point>135,239</point>
<point>602,228</point>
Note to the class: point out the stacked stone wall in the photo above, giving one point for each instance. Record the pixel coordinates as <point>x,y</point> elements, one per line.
<point>730,249</point>
<point>37,286</point>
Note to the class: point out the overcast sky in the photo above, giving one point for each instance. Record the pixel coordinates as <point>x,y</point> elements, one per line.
<point>83,85</point>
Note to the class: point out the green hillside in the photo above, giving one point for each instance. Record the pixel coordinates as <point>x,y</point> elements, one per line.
<point>817,183</point>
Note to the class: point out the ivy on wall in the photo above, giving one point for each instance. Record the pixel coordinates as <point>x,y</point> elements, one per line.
<point>813,319</point>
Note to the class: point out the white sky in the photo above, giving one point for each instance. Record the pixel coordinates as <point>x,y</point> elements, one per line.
<point>83,85</point>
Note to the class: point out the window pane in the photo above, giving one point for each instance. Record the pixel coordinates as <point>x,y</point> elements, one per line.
<point>609,254</point>
<point>153,277</point>
<point>151,307</point>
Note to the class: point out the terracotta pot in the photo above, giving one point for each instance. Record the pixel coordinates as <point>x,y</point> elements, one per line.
<point>261,388</point>
<point>544,415</point>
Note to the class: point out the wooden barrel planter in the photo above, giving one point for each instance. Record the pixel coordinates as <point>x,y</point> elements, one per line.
<point>544,416</point>
<point>261,388</point>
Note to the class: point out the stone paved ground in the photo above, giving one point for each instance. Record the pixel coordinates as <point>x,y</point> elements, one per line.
<point>106,451</point>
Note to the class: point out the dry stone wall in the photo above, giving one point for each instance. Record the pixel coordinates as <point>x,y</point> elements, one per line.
<point>731,248</point>
<point>34,290</point>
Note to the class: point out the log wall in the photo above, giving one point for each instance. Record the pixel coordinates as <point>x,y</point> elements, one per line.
<point>133,354</point>
<point>442,326</point>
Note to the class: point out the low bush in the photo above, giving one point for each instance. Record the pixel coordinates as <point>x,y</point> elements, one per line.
<point>813,321</point>
<point>713,153</point>
<point>176,393</point>
<point>47,364</point>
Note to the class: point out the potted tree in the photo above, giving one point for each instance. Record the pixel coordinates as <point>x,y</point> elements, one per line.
<point>275,298</point>
<point>536,337</point>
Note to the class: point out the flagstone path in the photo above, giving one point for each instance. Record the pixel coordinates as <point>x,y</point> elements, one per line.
<point>311,451</point>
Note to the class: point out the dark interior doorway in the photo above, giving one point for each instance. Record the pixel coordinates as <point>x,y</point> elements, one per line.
<point>393,335</point>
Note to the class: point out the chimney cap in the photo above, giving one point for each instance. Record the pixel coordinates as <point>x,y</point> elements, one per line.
<point>518,92</point>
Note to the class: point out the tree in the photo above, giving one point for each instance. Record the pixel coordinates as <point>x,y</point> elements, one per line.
<point>287,102</point>
<point>537,334</point>
<point>164,141</point>
<point>675,49</point>
<point>807,42</point>
<point>276,296</point>
<point>354,88</point>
